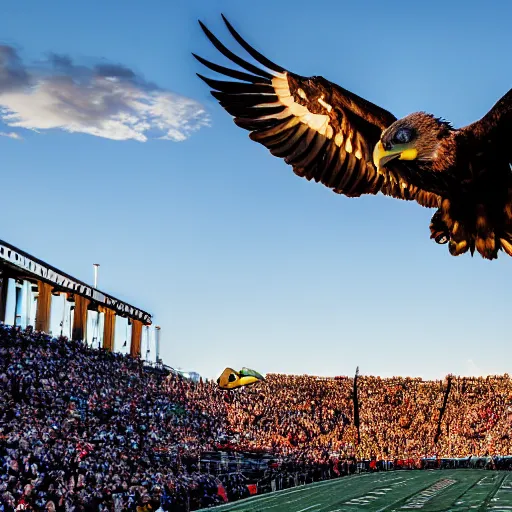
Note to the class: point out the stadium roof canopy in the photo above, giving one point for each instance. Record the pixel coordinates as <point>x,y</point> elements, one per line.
<point>24,265</point>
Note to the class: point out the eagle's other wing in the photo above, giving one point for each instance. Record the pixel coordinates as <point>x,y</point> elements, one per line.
<point>496,128</point>
<point>323,131</point>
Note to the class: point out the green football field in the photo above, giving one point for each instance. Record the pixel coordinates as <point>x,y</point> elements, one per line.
<point>429,491</point>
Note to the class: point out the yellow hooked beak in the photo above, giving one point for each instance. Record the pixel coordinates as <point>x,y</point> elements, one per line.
<point>401,151</point>
<point>244,381</point>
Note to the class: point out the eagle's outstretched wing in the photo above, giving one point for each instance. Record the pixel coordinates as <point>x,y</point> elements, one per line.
<point>323,131</point>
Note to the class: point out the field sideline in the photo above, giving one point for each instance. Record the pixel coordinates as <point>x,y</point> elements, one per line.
<point>429,491</point>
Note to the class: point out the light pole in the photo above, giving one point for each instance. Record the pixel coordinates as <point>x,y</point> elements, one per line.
<point>148,350</point>
<point>157,343</point>
<point>96,265</point>
<point>97,327</point>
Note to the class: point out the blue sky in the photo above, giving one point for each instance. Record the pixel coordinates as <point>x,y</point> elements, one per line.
<point>241,262</point>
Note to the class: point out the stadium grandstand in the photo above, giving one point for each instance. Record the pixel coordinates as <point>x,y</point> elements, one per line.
<point>30,290</point>
<point>86,427</point>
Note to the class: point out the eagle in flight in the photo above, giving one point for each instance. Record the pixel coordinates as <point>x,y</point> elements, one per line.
<point>331,135</point>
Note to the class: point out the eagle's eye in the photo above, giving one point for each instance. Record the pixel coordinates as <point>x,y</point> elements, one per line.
<point>402,136</point>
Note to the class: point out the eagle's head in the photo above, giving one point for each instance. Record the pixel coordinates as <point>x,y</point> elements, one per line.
<point>415,137</point>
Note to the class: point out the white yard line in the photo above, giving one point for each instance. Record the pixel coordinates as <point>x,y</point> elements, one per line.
<point>307,508</point>
<point>285,492</point>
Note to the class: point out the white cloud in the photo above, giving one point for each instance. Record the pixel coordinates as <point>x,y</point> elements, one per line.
<point>107,101</point>
<point>11,135</point>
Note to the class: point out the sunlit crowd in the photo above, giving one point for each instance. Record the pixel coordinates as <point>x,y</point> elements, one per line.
<point>84,429</point>
<point>399,417</point>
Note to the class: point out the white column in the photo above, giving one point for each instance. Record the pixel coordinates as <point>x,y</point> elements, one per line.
<point>92,332</point>
<point>27,304</point>
<point>68,316</point>
<point>34,297</point>
<point>101,328</point>
<point>18,308</point>
<point>10,306</point>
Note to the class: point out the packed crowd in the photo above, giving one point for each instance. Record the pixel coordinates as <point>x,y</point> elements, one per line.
<point>399,417</point>
<point>84,429</point>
